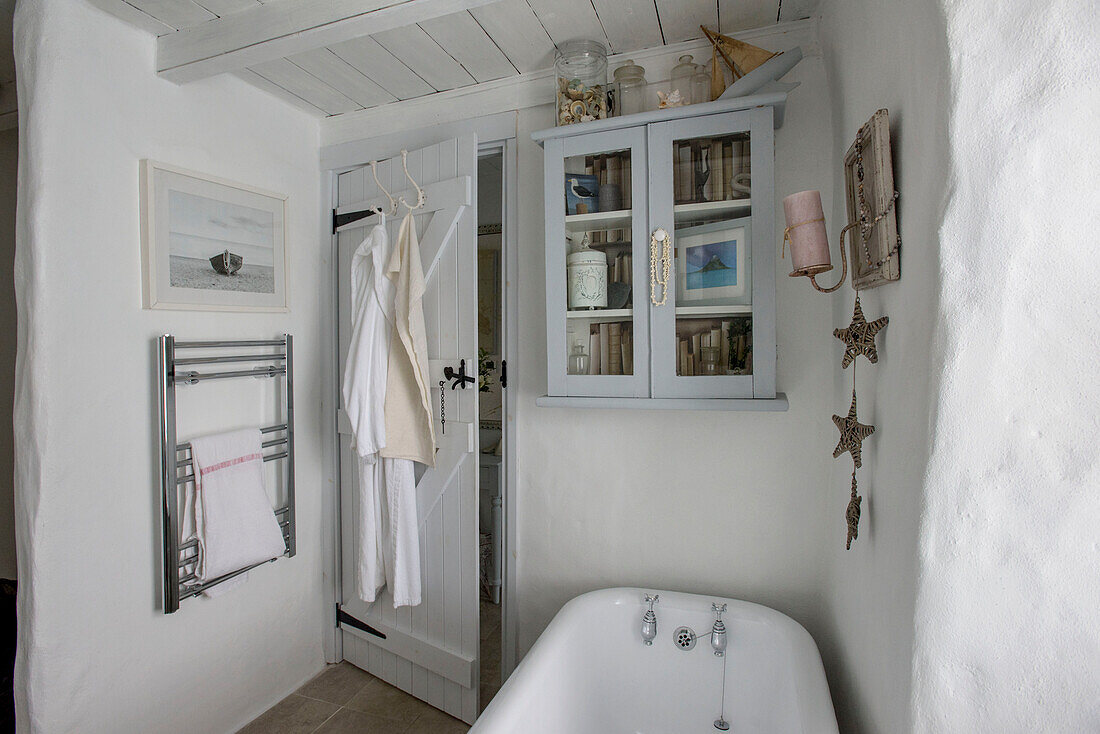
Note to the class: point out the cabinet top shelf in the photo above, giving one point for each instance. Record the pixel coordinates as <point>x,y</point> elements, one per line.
<point>778,100</point>
<point>620,219</point>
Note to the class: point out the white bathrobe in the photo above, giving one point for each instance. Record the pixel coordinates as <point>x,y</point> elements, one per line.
<point>388,542</point>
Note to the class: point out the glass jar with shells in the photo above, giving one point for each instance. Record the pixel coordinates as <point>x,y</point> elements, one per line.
<point>581,68</point>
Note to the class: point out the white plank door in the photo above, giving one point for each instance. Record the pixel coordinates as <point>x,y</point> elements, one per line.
<point>430,650</point>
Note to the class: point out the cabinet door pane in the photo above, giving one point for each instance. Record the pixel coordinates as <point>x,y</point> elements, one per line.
<point>709,194</point>
<point>598,338</point>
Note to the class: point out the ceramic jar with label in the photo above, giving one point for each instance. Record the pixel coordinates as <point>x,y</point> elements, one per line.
<point>586,272</point>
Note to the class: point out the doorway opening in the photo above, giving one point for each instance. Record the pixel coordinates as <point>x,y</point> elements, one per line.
<point>492,377</point>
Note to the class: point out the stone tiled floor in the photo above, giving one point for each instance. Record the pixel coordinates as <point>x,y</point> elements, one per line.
<point>345,699</point>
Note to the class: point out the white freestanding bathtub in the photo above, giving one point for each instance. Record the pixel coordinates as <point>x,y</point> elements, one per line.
<point>590,672</point>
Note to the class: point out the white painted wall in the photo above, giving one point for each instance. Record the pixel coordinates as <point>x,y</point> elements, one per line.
<point>732,504</point>
<point>96,653</point>
<point>1007,619</point>
<point>673,500</point>
<point>893,55</point>
<point>9,156</point>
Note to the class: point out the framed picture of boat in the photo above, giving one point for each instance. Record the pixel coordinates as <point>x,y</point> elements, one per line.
<point>712,266</point>
<point>209,244</point>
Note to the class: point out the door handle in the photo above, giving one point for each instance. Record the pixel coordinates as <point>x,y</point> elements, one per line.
<point>460,377</point>
<point>660,264</point>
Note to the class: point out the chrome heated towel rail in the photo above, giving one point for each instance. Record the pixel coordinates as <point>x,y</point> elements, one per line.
<point>175,458</point>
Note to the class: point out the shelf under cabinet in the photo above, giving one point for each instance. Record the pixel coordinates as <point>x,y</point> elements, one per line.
<point>778,404</point>
<point>620,218</point>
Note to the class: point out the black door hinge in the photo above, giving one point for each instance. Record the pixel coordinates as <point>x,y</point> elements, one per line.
<point>343,617</point>
<point>503,373</point>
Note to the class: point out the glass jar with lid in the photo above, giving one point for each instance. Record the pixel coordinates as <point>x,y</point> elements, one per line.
<point>578,360</point>
<point>680,82</point>
<point>632,88</point>
<point>581,70</point>
<point>700,84</point>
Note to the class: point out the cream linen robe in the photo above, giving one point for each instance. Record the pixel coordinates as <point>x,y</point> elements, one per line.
<point>410,425</point>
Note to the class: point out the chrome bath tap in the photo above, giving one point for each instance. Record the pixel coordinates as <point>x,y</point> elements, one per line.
<point>718,631</point>
<point>649,620</point>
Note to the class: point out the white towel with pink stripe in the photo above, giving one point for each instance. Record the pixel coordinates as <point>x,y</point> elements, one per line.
<point>233,519</point>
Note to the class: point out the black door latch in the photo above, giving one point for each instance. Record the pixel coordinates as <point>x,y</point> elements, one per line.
<point>460,377</point>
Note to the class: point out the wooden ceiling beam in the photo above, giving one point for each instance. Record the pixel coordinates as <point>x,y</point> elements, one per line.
<point>281,28</point>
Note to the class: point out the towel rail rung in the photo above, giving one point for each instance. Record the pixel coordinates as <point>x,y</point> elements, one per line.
<point>190,378</point>
<point>230,344</point>
<point>265,430</point>
<point>223,359</point>
<point>196,590</point>
<point>184,463</point>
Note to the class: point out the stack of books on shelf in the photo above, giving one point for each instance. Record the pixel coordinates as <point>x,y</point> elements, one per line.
<point>613,169</point>
<point>620,268</point>
<point>726,157</point>
<point>733,339</point>
<point>611,349</point>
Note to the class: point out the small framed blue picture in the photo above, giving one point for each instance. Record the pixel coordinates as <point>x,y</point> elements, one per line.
<point>712,263</point>
<point>584,189</point>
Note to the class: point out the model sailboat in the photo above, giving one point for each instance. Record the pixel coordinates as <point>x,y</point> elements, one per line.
<point>754,69</point>
<point>740,58</point>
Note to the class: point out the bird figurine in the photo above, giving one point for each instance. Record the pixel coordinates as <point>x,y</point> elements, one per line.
<point>580,191</point>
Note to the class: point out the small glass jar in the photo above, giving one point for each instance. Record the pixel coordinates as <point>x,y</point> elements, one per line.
<point>700,85</point>
<point>581,68</point>
<point>578,360</point>
<point>710,359</point>
<point>630,79</point>
<point>681,78</point>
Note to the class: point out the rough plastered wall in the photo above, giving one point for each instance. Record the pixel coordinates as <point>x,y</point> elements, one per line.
<point>730,504</point>
<point>9,156</point>
<point>1007,616</point>
<point>96,653</point>
<point>885,54</point>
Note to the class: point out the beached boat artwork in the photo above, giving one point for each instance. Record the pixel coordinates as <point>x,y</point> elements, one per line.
<point>227,263</point>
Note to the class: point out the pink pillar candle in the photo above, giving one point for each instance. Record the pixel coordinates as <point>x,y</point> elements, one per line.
<point>806,232</point>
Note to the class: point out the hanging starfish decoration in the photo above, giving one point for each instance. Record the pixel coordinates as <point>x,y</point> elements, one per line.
<point>852,433</point>
<point>860,336</point>
<point>852,515</point>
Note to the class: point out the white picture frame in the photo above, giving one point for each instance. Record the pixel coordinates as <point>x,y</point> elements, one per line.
<point>721,241</point>
<point>187,218</point>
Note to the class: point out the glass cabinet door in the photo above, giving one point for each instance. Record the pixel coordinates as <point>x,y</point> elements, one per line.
<point>597,322</point>
<point>714,336</point>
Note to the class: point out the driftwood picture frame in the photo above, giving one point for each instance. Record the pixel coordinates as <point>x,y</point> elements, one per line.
<point>877,259</point>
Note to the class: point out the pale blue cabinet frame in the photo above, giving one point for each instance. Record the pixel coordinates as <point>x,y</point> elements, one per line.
<point>654,327</point>
<point>557,150</point>
<point>666,383</point>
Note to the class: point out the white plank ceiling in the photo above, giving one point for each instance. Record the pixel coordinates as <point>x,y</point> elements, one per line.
<point>441,50</point>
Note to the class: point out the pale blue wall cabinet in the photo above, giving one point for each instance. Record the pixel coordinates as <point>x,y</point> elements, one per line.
<point>618,333</point>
